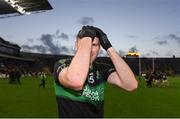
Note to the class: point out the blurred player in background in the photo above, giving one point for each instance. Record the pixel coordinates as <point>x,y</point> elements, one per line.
<point>43,77</point>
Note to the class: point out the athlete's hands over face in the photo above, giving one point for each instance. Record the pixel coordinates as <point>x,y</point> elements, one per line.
<point>90,31</point>
<point>105,43</point>
<point>87,31</point>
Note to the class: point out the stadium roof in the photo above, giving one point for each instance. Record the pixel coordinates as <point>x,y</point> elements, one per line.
<point>8,44</point>
<point>15,57</point>
<point>9,8</point>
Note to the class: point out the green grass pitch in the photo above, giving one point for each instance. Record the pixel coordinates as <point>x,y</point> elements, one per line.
<point>28,100</point>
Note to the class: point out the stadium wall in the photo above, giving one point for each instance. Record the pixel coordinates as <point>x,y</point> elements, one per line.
<point>169,65</point>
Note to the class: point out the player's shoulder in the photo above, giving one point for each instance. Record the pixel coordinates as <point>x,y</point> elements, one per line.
<point>61,64</point>
<point>64,61</point>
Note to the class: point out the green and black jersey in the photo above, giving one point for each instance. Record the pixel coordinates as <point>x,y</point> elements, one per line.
<point>89,101</point>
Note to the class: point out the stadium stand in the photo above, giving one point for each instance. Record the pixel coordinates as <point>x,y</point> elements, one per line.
<point>11,59</point>
<point>32,63</point>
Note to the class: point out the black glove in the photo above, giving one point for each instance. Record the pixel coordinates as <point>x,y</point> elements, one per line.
<point>87,31</point>
<point>105,43</point>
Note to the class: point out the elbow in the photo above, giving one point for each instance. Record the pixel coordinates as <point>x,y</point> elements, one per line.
<point>75,83</point>
<point>77,87</point>
<point>133,87</point>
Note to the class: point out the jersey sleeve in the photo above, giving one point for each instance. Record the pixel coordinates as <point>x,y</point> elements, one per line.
<point>105,69</point>
<point>108,69</point>
<point>58,67</point>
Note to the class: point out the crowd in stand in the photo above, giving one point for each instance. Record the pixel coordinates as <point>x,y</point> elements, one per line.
<point>11,69</point>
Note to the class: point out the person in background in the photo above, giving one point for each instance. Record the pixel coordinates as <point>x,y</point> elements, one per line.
<point>43,77</point>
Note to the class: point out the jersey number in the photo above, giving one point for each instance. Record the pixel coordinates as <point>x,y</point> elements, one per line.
<point>91,78</point>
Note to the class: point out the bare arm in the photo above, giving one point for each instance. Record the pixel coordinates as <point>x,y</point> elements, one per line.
<point>123,77</point>
<point>75,75</point>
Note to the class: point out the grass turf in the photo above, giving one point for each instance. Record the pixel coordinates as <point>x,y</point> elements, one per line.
<point>28,100</point>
